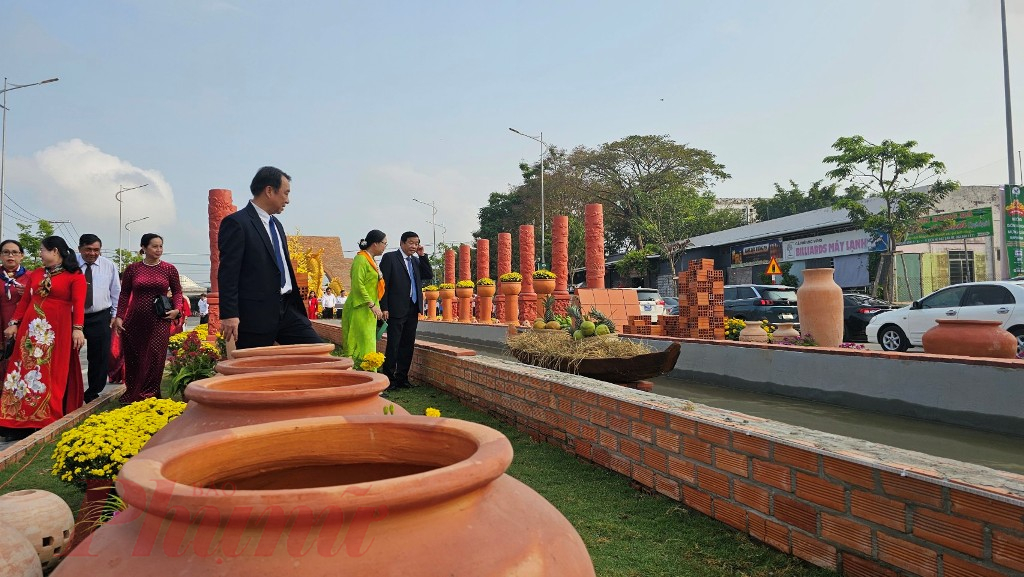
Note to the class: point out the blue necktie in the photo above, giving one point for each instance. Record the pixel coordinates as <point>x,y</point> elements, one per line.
<point>412,279</point>
<point>276,239</point>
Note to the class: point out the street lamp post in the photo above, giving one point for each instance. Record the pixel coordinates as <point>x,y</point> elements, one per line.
<point>433,225</point>
<point>3,138</point>
<point>543,223</point>
<point>120,206</point>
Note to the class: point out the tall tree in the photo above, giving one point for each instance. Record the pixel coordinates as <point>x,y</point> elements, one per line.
<point>31,240</point>
<point>791,201</point>
<point>124,257</point>
<point>894,173</point>
<point>624,175</point>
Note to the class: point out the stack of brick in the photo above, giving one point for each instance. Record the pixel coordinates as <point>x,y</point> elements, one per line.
<point>670,325</point>
<point>702,301</point>
<point>637,325</point>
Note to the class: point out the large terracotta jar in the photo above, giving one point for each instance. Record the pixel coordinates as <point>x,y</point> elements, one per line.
<point>819,302</point>
<point>284,350</point>
<point>283,363</point>
<point>970,339</point>
<point>44,519</point>
<point>383,496</point>
<point>252,398</point>
<point>17,556</point>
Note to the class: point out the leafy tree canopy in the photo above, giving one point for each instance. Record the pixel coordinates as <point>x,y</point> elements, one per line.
<point>791,201</point>
<point>31,240</point>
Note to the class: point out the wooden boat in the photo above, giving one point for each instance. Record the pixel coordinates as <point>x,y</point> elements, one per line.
<point>612,369</point>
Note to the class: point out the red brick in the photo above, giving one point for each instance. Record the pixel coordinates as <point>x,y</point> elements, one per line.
<point>696,499</point>
<point>711,480</point>
<point>987,509</point>
<point>620,465</point>
<point>778,476</point>
<point>714,435</point>
<point>599,417</point>
<point>668,487</point>
<point>588,432</point>
<point>565,406</point>
<point>608,403</point>
<point>752,445</point>
<point>629,410</point>
<point>751,495</point>
<point>731,514</point>
<point>666,440</point>
<point>812,550</point>
<point>908,556</point>
<point>1008,550</point>
<point>852,473</point>
<point>682,424</point>
<point>820,491</point>
<point>618,424</point>
<point>795,513</point>
<point>956,567</point>
<point>912,490</point>
<point>799,458</point>
<point>641,432</point>
<point>586,450</point>
<point>644,476</point>
<point>878,509</point>
<point>696,449</point>
<point>630,448</point>
<point>848,533</point>
<point>608,440</point>
<point>733,462</point>
<point>656,460</point>
<point>683,470</point>
<point>956,533</point>
<point>655,417</point>
<point>854,566</point>
<point>769,532</point>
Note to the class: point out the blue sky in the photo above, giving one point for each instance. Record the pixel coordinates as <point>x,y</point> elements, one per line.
<point>368,107</point>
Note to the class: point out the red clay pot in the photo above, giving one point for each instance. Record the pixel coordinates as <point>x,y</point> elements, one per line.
<point>319,349</point>
<point>970,339</point>
<point>253,398</point>
<point>819,303</point>
<point>283,363</point>
<point>332,496</point>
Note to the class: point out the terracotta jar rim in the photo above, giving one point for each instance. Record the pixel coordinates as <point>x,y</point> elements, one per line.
<point>291,387</point>
<point>186,472</point>
<point>322,349</point>
<point>978,322</point>
<point>284,363</point>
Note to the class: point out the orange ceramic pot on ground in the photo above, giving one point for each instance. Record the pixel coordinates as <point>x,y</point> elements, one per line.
<point>970,339</point>
<point>819,302</point>
<point>382,495</point>
<point>284,350</point>
<point>283,363</point>
<point>253,398</point>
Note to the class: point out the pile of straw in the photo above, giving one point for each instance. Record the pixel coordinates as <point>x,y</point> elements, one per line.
<point>550,347</point>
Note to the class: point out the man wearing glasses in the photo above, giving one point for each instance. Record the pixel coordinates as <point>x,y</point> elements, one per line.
<point>103,287</point>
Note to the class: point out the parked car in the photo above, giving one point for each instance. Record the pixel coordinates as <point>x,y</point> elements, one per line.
<point>1002,301</point>
<point>651,302</point>
<point>858,310</point>
<point>671,305</point>
<point>755,302</point>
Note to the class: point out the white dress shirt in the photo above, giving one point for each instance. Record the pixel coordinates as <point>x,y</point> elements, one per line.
<point>204,307</point>
<point>329,301</point>
<point>106,285</point>
<point>265,217</point>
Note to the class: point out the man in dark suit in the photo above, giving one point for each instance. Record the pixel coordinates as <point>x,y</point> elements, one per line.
<point>259,298</point>
<point>403,270</point>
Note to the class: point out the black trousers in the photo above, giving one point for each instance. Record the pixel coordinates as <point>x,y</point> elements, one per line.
<point>328,313</point>
<point>293,328</point>
<point>97,340</point>
<point>401,339</point>
<point>204,319</point>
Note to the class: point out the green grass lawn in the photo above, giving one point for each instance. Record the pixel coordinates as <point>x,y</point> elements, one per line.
<point>628,533</point>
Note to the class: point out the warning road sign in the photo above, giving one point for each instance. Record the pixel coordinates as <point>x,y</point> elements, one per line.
<point>773,267</point>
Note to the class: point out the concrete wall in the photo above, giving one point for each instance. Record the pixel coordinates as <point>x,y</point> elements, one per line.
<point>986,394</point>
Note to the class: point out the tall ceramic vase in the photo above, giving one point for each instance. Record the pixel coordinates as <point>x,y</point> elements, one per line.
<point>382,495</point>
<point>511,292</point>
<point>819,303</point>
<point>485,299</point>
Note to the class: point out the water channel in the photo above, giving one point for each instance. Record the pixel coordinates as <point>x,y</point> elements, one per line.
<point>1003,452</point>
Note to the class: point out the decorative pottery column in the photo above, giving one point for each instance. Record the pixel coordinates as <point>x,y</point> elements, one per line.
<point>511,292</point>
<point>465,295</point>
<point>483,270</point>
<point>388,492</point>
<point>431,298</point>
<point>594,236</point>
<point>447,299</point>
<point>527,298</point>
<point>219,205</point>
<point>465,272</point>
<point>969,338</point>
<point>485,296</point>
<point>560,261</point>
<point>504,266</point>
<point>449,277</point>
<point>819,303</point>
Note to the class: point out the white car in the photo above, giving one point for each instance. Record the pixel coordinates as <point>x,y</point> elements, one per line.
<point>1002,301</point>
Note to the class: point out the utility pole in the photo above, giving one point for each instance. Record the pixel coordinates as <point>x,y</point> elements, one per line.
<point>120,206</point>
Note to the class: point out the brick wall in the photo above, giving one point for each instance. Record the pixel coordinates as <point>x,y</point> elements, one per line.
<point>825,503</point>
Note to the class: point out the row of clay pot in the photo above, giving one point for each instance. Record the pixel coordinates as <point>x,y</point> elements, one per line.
<point>309,472</point>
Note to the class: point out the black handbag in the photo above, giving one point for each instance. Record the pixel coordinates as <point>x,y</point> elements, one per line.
<point>162,305</point>
<point>7,350</point>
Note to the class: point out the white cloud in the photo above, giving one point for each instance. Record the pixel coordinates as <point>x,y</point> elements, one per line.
<point>74,180</point>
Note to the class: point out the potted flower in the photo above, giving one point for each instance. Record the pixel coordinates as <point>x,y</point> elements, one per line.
<point>464,289</point>
<point>195,359</point>
<point>543,281</point>
<point>446,290</point>
<point>430,292</point>
<point>511,283</point>
<point>485,287</point>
